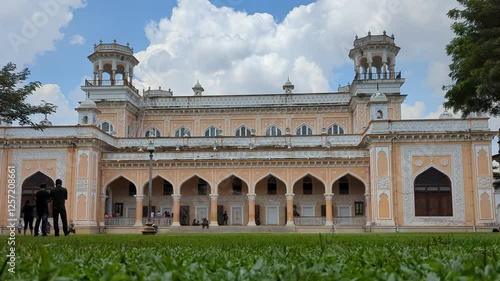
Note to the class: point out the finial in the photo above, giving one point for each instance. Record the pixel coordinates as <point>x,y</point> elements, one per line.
<point>114,41</point>
<point>369,33</point>
<point>392,36</point>
<point>385,33</point>
<point>128,44</point>
<point>100,41</point>
<point>356,37</point>
<point>95,45</point>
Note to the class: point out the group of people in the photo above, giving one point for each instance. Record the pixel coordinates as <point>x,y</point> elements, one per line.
<point>57,197</point>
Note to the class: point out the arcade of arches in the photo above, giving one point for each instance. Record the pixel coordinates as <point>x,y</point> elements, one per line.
<point>268,201</point>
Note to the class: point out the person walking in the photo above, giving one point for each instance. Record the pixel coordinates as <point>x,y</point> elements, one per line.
<point>42,209</point>
<point>59,195</point>
<point>28,217</point>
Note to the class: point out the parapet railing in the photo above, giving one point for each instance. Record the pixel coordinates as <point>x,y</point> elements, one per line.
<point>108,83</point>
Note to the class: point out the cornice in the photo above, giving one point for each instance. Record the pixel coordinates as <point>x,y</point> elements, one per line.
<point>236,164</point>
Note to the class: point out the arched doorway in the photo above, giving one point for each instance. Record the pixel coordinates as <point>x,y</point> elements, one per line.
<point>433,194</point>
<point>349,201</point>
<point>122,202</point>
<point>233,193</point>
<point>31,185</point>
<point>270,201</point>
<point>309,201</point>
<point>195,201</point>
<point>161,201</point>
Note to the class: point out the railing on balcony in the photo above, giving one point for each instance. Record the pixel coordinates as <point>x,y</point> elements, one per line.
<point>108,83</point>
<point>349,221</point>
<point>160,222</point>
<point>309,221</point>
<point>318,221</point>
<point>119,221</point>
<point>378,76</point>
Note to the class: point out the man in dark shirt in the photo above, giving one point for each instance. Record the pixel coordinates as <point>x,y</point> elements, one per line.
<point>28,217</point>
<point>59,196</point>
<point>42,209</point>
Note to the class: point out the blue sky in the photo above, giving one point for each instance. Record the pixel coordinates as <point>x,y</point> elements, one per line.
<point>231,46</point>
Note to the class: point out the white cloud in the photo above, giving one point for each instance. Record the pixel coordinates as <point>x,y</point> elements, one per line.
<point>438,77</point>
<point>415,111</point>
<point>234,52</point>
<point>77,40</point>
<point>30,28</point>
<point>51,93</point>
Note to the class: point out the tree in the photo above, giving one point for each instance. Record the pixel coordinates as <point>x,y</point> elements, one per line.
<point>475,52</point>
<point>13,94</point>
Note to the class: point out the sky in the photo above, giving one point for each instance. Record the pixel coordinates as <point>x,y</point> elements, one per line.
<point>231,46</point>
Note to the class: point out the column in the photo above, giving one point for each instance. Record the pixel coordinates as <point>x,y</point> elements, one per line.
<point>102,210</point>
<point>100,77</point>
<point>368,209</point>
<point>176,209</point>
<point>370,71</point>
<point>251,210</point>
<point>329,208</point>
<point>138,210</point>
<point>95,79</point>
<point>213,210</point>
<point>289,210</point>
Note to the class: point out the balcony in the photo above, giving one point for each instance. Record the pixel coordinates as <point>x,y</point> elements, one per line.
<point>395,76</point>
<point>318,221</point>
<point>110,83</point>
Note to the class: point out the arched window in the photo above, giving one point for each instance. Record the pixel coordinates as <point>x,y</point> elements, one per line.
<point>344,185</point>
<point>243,131</point>
<point>335,130</point>
<point>433,194</point>
<point>303,130</point>
<point>182,132</point>
<point>273,131</point>
<point>85,119</point>
<point>202,187</point>
<point>380,114</point>
<point>153,133</point>
<point>237,186</point>
<point>272,187</point>
<point>107,127</point>
<point>307,185</point>
<point>212,131</point>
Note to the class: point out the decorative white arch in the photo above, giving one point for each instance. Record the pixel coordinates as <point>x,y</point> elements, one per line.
<point>194,175</point>
<point>353,175</point>
<point>265,176</point>
<point>311,175</point>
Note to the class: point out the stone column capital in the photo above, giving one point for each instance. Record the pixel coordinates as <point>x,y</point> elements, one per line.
<point>251,196</point>
<point>214,196</point>
<point>328,196</point>
<point>368,195</point>
<point>176,197</point>
<point>103,197</point>
<point>139,197</point>
<point>289,196</point>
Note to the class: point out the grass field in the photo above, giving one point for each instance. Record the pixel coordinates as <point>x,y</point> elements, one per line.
<point>257,257</point>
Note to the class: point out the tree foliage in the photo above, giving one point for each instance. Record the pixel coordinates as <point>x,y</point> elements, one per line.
<point>475,52</point>
<point>13,94</point>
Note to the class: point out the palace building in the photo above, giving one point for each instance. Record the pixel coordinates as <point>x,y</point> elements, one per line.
<point>303,160</point>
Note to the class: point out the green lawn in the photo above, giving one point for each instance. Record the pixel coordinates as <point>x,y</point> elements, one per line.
<point>257,257</point>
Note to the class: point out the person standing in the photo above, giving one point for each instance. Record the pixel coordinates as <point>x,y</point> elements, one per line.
<point>59,195</point>
<point>225,217</point>
<point>28,217</point>
<point>42,209</point>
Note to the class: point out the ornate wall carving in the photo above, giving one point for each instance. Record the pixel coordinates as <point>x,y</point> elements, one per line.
<point>58,154</point>
<point>384,183</point>
<point>407,154</point>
